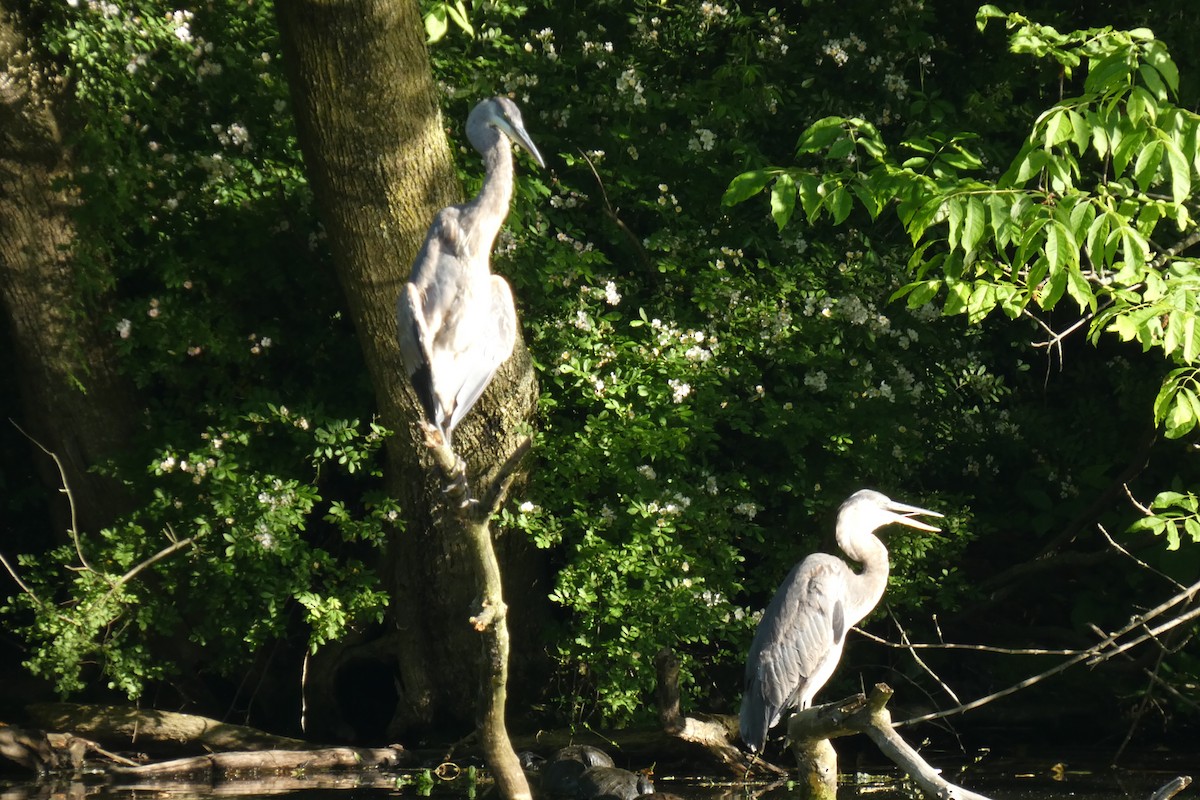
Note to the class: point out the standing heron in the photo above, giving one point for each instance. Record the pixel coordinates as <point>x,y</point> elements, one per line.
<point>800,637</point>
<point>457,322</point>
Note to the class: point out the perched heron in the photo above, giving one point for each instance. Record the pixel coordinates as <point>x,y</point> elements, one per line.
<point>457,322</point>
<point>800,637</point>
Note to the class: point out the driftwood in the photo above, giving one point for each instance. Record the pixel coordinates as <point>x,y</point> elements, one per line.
<point>256,763</point>
<point>125,728</point>
<point>28,749</point>
<point>868,715</point>
<point>716,734</point>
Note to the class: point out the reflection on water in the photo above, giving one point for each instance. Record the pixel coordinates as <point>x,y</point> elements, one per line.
<point>1049,782</point>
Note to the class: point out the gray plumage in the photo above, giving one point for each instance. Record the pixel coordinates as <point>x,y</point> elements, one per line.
<point>457,321</point>
<point>799,640</point>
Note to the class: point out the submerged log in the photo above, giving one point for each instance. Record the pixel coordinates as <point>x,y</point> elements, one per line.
<point>28,749</point>
<point>256,763</point>
<point>126,728</point>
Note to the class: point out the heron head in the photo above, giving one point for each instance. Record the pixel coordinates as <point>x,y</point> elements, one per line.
<point>871,510</point>
<point>502,114</point>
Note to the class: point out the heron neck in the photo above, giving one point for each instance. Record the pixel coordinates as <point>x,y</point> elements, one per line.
<point>865,548</point>
<point>490,206</point>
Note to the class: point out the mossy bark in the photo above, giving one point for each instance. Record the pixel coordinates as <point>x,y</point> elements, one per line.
<point>380,166</point>
<point>74,402</point>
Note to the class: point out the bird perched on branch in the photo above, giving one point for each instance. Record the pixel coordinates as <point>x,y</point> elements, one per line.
<point>457,322</point>
<point>799,640</point>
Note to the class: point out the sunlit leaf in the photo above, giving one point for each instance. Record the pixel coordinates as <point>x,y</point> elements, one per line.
<point>746,185</point>
<point>973,224</point>
<point>783,199</point>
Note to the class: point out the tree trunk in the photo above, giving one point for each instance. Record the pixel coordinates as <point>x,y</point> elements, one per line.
<point>75,404</point>
<point>380,167</point>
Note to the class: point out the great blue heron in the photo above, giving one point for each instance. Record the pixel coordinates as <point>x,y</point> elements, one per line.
<point>800,637</point>
<point>457,320</point>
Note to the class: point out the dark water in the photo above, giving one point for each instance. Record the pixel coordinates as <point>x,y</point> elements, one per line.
<point>1105,785</point>
<point>1024,780</point>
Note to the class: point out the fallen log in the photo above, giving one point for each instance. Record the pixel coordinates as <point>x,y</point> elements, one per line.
<point>866,715</point>
<point>716,734</point>
<point>127,728</point>
<point>239,764</point>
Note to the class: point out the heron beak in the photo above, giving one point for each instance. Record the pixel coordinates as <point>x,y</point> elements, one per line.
<point>904,515</point>
<point>518,134</point>
<point>530,148</point>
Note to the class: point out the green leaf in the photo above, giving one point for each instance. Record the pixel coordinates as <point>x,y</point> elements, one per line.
<point>981,302</point>
<point>1081,131</point>
<point>1183,415</point>
<point>1080,290</point>
<point>954,217</point>
<point>809,187</point>
<point>1108,74</point>
<point>973,224</point>
<point>958,299</point>
<point>919,292</point>
<point>783,199</point>
<point>458,13</point>
<point>839,203</point>
<point>820,135</point>
<point>746,185</point>
<point>1181,171</point>
<point>436,24</point>
<point>1156,55</point>
<point>985,13</point>
<point>1052,290</point>
<point>1146,166</point>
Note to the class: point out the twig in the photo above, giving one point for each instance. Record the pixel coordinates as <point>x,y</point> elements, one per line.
<point>612,214</point>
<point>907,643</point>
<point>1137,560</point>
<point>159,556</point>
<point>1144,509</point>
<point>66,489</point>
<point>983,648</point>
<point>24,587</point>
<point>1095,654</point>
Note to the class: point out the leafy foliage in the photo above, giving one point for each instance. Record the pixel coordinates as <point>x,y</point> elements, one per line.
<point>714,380</point>
<point>246,561</point>
<point>1100,178</point>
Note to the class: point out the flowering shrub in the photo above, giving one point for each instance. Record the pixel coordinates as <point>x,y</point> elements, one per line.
<point>714,381</point>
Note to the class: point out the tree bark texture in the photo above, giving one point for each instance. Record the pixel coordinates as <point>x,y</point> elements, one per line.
<point>380,165</point>
<point>74,402</point>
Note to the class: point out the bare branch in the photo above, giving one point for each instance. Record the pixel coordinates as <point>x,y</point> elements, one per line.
<point>1137,560</point>
<point>1093,655</point>
<point>1144,509</point>
<point>907,644</point>
<point>66,489</point>
<point>24,587</point>
<point>983,648</point>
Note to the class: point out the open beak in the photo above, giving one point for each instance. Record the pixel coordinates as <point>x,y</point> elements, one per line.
<point>904,514</point>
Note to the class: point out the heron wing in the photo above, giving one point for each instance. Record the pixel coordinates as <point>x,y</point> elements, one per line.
<point>489,350</point>
<point>796,646</point>
<point>434,315</point>
<point>414,348</point>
